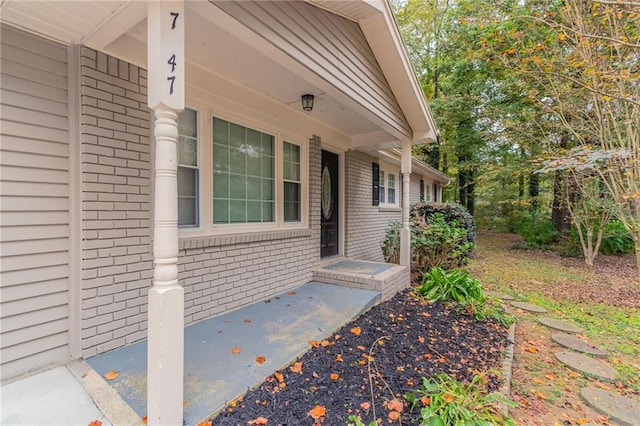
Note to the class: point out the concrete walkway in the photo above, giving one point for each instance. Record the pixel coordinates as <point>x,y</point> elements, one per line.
<point>223,354</point>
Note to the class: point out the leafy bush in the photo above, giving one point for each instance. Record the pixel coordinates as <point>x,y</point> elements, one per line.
<point>434,242</point>
<point>616,239</point>
<point>446,401</point>
<point>537,232</point>
<point>437,243</point>
<point>456,285</point>
<point>490,308</point>
<point>452,212</point>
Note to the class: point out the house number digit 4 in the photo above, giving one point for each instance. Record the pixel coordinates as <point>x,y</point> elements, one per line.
<point>172,59</point>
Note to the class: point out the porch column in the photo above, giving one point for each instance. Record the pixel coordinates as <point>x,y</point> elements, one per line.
<point>165,353</point>
<point>405,233</point>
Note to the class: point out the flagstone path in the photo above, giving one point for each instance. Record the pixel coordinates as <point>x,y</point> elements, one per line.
<point>619,408</point>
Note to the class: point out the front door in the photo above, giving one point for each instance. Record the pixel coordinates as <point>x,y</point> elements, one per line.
<point>329,205</point>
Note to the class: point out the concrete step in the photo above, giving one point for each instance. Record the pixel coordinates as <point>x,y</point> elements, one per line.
<point>588,365</point>
<point>530,307</point>
<point>572,342</point>
<point>560,325</point>
<point>619,408</point>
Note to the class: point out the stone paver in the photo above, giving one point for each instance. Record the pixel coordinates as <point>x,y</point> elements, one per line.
<point>572,342</point>
<point>588,365</point>
<point>560,325</point>
<point>503,296</point>
<point>529,307</point>
<point>619,408</point>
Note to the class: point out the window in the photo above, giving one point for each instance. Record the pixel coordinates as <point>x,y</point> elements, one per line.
<point>243,174</point>
<point>386,188</point>
<point>188,169</point>
<point>292,183</point>
<point>243,180</point>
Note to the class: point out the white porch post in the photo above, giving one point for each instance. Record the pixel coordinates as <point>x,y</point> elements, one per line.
<point>405,233</point>
<point>165,353</point>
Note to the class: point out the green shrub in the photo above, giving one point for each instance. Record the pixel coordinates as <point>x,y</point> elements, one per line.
<point>456,285</point>
<point>446,401</point>
<point>537,232</point>
<point>438,243</point>
<point>435,242</point>
<point>490,308</point>
<point>616,239</point>
<point>452,212</point>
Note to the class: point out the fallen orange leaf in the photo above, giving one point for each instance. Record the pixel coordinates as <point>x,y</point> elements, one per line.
<point>360,347</point>
<point>550,376</point>
<point>396,405</point>
<point>356,331</point>
<point>291,293</point>
<point>317,412</point>
<point>110,375</point>
<point>365,405</point>
<point>532,349</point>
<point>247,321</point>
<point>603,386</point>
<point>421,339</point>
<point>362,362</point>
<point>324,343</point>
<point>184,403</point>
<point>95,423</point>
<point>425,400</point>
<point>260,421</point>
<point>334,376</point>
<point>313,343</point>
<point>260,359</point>
<point>205,423</point>
<point>538,380</point>
<point>235,350</point>
<point>296,367</point>
<point>144,419</point>
<point>279,376</point>
<point>574,374</point>
<point>394,415</point>
<point>447,398</point>
<point>339,358</point>
<point>233,403</point>
<point>541,395</point>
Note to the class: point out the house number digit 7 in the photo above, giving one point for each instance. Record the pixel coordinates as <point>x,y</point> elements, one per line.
<point>175,17</point>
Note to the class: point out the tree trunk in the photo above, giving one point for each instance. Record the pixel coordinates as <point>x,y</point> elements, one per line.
<point>559,214</point>
<point>534,190</point>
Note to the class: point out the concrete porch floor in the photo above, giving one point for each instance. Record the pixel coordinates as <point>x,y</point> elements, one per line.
<point>278,329</point>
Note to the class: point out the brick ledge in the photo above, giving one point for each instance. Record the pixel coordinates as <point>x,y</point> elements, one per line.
<point>230,239</point>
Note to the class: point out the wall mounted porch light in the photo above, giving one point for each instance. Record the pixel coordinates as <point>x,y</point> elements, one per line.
<point>307,102</point>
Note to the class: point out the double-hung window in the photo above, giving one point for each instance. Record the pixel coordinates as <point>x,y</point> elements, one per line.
<point>188,169</point>
<point>387,185</point>
<point>242,176</point>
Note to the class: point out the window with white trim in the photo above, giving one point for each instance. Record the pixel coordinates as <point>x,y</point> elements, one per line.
<point>388,187</point>
<point>188,169</point>
<point>243,180</point>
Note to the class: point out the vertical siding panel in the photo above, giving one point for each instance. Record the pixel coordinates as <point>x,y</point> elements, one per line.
<point>34,193</point>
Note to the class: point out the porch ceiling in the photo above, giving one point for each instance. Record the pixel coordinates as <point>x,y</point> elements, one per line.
<point>213,50</point>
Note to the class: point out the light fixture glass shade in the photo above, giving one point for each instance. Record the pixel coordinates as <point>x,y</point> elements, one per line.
<point>307,102</point>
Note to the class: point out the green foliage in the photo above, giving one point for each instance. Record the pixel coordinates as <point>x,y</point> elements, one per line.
<point>438,243</point>
<point>449,402</point>
<point>354,420</point>
<point>451,212</point>
<point>391,243</point>
<point>491,308</point>
<point>616,239</point>
<point>434,242</point>
<point>456,285</point>
<point>537,232</point>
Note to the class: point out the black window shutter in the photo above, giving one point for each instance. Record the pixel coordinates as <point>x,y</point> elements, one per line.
<point>435,192</point>
<point>421,190</point>
<point>376,183</point>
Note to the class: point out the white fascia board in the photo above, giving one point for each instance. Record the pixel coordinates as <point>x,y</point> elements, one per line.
<point>386,43</point>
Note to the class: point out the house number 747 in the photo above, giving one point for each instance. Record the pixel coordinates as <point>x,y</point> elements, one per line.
<point>172,59</point>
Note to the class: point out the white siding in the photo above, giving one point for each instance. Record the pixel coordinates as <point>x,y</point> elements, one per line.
<point>34,212</point>
<point>331,46</point>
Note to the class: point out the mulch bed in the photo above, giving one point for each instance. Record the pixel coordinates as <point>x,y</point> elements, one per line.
<point>392,346</point>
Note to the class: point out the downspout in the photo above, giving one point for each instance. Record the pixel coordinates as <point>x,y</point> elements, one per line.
<point>405,232</point>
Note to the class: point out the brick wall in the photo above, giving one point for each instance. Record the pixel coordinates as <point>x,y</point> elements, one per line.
<point>365,224</point>
<point>116,250</point>
<point>223,273</point>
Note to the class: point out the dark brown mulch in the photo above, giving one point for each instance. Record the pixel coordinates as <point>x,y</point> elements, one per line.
<point>407,340</point>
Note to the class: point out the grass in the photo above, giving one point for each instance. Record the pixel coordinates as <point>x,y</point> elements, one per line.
<point>529,277</point>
